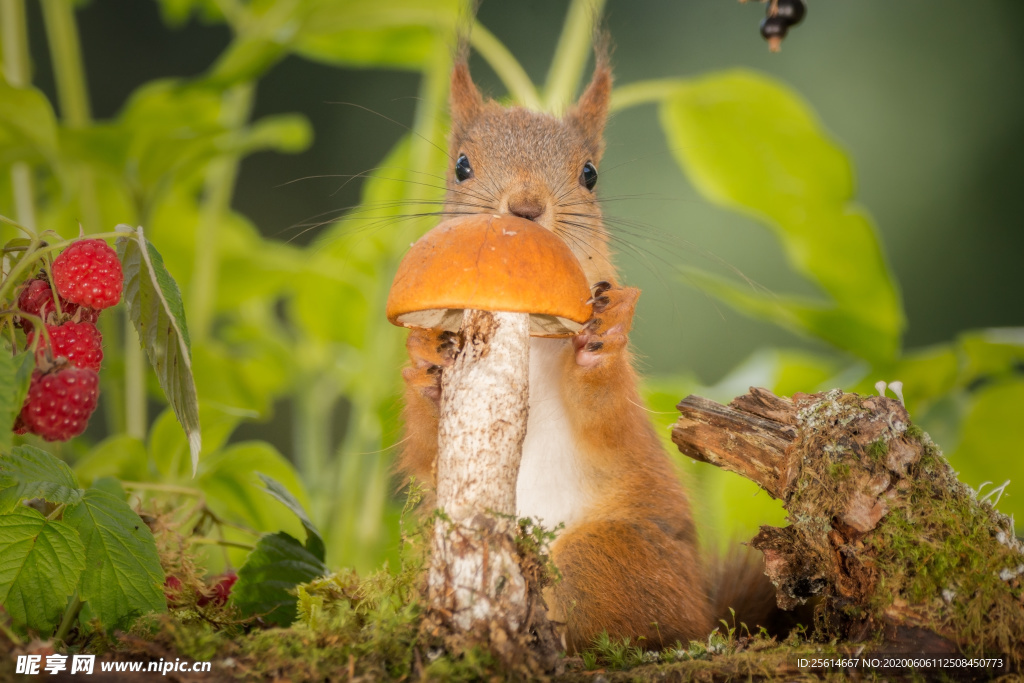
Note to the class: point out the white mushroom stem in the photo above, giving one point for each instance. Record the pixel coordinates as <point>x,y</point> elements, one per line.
<point>474,576</point>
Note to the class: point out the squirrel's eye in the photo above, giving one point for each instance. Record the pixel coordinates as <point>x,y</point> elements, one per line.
<point>463,171</point>
<point>588,178</point>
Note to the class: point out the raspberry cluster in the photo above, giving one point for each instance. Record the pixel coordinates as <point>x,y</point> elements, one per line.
<point>780,16</point>
<point>64,389</point>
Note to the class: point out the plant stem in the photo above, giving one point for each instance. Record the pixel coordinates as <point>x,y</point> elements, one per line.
<point>571,53</point>
<point>72,93</point>
<point>70,614</point>
<point>505,65</point>
<point>14,38</point>
<point>202,540</point>
<point>162,488</point>
<point>219,186</point>
<point>135,413</point>
<point>11,635</point>
<point>644,92</point>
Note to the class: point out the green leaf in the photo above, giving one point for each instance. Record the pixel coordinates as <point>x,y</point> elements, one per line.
<point>40,562</point>
<point>119,456</point>
<point>28,472</point>
<point>28,126</point>
<point>15,376</point>
<point>156,310</point>
<point>991,440</point>
<point>233,489</point>
<point>395,33</point>
<point>277,565</point>
<point>314,542</point>
<point>751,144</point>
<point>122,577</point>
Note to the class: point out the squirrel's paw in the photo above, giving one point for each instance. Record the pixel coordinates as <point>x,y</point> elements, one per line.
<point>430,352</point>
<point>607,331</point>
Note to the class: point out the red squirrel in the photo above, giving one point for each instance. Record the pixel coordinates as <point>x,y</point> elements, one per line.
<point>627,553</point>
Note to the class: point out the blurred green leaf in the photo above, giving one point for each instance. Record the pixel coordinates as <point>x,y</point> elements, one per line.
<point>992,441</point>
<point>122,577</point>
<point>156,311</point>
<point>276,566</point>
<point>289,133</point>
<point>119,456</point>
<point>176,13</point>
<point>28,472</point>
<point>40,562</point>
<point>15,376</point>
<point>392,33</point>
<point>233,489</point>
<point>28,126</point>
<point>314,542</point>
<point>751,144</point>
<point>169,449</point>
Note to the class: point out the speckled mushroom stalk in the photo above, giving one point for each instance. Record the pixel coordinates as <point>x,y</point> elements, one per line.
<point>474,572</point>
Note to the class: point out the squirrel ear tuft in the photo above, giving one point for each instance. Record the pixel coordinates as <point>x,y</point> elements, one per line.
<point>588,115</point>
<point>465,100</point>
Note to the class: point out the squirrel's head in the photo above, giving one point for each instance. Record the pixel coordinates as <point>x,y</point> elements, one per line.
<point>511,160</point>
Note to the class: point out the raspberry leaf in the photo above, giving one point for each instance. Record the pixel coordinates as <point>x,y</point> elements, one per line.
<point>123,577</point>
<point>28,472</point>
<point>40,563</point>
<point>314,542</point>
<point>278,563</point>
<point>749,143</point>
<point>15,376</point>
<point>158,314</point>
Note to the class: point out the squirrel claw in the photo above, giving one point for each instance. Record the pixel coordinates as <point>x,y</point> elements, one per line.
<point>603,336</point>
<point>449,347</point>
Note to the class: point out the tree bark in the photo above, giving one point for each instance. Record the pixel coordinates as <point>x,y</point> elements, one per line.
<point>881,533</point>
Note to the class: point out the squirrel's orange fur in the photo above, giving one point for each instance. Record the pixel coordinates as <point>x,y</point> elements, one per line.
<point>628,554</point>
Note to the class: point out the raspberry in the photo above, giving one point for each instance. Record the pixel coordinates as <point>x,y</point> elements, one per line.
<point>221,590</point>
<point>80,343</point>
<point>60,402</point>
<point>88,273</point>
<point>36,298</point>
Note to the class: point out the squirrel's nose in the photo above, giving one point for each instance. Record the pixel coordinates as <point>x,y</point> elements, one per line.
<point>527,207</point>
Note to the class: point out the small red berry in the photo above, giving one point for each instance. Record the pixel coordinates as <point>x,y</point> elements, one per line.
<point>60,402</point>
<point>80,343</point>
<point>221,590</point>
<point>36,298</point>
<point>88,273</point>
<point>172,590</point>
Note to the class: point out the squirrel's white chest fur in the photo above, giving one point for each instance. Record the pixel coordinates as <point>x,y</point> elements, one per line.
<point>550,483</point>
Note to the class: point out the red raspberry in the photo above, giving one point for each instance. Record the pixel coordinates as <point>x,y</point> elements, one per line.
<point>80,343</point>
<point>88,273</point>
<point>37,298</point>
<point>60,402</point>
<point>221,590</point>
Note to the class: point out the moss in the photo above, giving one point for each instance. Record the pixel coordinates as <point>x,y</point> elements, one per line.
<point>878,450</point>
<point>953,559</point>
<point>839,470</point>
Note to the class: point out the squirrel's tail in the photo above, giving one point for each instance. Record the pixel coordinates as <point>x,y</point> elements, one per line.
<point>742,594</point>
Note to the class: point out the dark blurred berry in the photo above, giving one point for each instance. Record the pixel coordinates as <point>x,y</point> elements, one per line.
<point>792,11</point>
<point>774,27</point>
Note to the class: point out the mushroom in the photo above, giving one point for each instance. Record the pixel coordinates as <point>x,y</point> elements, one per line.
<point>496,279</point>
<point>490,263</point>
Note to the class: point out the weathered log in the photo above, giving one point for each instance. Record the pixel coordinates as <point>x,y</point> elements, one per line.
<point>881,529</point>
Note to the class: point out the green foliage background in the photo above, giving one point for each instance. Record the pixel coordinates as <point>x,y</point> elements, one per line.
<point>737,207</point>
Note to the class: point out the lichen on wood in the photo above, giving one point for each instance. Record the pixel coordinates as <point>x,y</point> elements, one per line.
<point>881,530</point>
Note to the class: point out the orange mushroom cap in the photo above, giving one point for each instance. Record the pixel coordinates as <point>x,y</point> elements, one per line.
<point>490,263</point>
